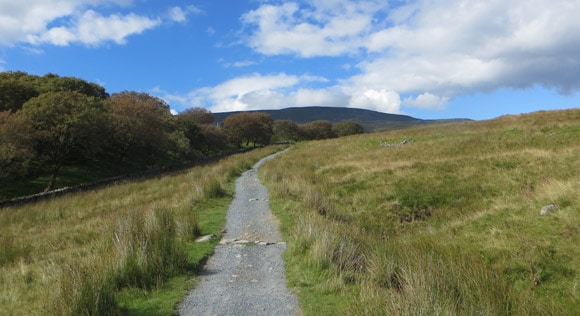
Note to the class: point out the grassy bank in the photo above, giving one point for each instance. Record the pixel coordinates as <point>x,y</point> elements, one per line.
<point>123,249</point>
<point>435,220</point>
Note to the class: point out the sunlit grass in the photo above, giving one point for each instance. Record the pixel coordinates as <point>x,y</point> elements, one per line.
<point>73,254</point>
<point>448,223</point>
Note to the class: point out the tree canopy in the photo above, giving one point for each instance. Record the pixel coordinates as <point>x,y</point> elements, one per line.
<point>347,128</point>
<point>286,130</point>
<point>199,116</point>
<point>317,130</point>
<point>139,125</point>
<point>16,151</point>
<point>47,122</point>
<point>256,127</point>
<point>64,123</point>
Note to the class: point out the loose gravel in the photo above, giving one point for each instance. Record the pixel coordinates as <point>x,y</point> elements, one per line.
<point>245,276</point>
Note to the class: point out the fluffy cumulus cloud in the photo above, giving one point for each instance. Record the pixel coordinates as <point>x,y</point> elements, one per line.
<point>426,101</point>
<point>179,14</point>
<point>378,100</point>
<point>430,51</point>
<point>312,28</point>
<point>63,22</point>
<point>92,28</point>
<point>259,91</point>
<point>455,47</point>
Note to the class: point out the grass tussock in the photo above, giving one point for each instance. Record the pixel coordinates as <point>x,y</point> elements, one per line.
<point>448,223</point>
<point>81,254</point>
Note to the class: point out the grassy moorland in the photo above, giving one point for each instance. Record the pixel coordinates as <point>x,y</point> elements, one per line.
<point>124,249</point>
<point>446,224</point>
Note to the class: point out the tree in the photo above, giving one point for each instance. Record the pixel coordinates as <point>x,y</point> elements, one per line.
<point>253,127</point>
<point>64,123</point>
<point>198,115</point>
<point>190,128</point>
<point>18,87</point>
<point>214,139</point>
<point>14,93</point>
<point>261,129</point>
<point>285,130</point>
<point>54,83</point>
<point>140,125</point>
<point>347,128</point>
<point>16,151</point>
<point>320,129</point>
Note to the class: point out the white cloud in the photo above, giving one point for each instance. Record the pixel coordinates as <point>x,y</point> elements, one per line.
<point>427,101</point>
<point>432,50</point>
<point>321,28</point>
<point>257,91</point>
<point>378,100</point>
<point>240,64</point>
<point>230,95</point>
<point>63,22</point>
<point>318,97</point>
<point>179,14</point>
<point>18,19</point>
<point>456,47</point>
<point>92,28</point>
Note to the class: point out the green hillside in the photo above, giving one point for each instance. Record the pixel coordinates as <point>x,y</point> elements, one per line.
<point>372,121</point>
<point>431,220</point>
<point>124,249</point>
<point>435,220</point>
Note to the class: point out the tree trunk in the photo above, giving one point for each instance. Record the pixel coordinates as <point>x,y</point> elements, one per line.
<point>55,170</point>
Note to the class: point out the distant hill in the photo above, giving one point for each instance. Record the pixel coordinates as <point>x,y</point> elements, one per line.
<point>372,121</point>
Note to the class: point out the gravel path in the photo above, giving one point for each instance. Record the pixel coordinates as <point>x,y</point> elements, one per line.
<point>245,276</point>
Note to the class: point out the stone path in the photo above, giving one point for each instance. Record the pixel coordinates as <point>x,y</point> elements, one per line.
<point>245,276</point>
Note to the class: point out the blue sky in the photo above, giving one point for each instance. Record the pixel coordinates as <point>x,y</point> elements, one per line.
<point>424,58</point>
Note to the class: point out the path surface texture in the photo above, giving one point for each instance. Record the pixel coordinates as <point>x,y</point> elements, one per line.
<point>245,276</point>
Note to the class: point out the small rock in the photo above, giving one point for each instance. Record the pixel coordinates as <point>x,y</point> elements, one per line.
<point>263,243</point>
<point>226,241</point>
<point>547,209</point>
<point>205,238</point>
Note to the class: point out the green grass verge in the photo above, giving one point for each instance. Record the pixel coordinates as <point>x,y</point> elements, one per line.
<point>447,224</point>
<point>124,248</point>
<point>164,300</point>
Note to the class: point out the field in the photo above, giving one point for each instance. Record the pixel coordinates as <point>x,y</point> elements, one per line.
<point>435,220</point>
<point>124,249</point>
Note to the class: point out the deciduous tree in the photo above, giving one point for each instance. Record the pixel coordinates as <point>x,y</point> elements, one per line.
<point>253,127</point>
<point>286,130</point>
<point>214,139</point>
<point>14,93</point>
<point>140,125</point>
<point>347,128</point>
<point>198,115</point>
<point>16,150</point>
<point>191,131</point>
<point>64,123</point>
<point>320,129</point>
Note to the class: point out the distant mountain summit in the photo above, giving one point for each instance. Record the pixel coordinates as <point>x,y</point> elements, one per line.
<point>372,121</point>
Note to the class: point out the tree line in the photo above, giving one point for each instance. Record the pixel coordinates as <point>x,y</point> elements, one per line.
<point>50,121</point>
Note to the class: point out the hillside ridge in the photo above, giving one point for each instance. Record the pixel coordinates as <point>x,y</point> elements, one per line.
<point>369,119</point>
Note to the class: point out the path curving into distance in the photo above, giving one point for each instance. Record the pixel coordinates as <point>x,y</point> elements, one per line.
<point>245,276</point>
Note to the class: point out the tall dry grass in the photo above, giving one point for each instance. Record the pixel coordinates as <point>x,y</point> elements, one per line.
<point>447,224</point>
<point>72,254</point>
